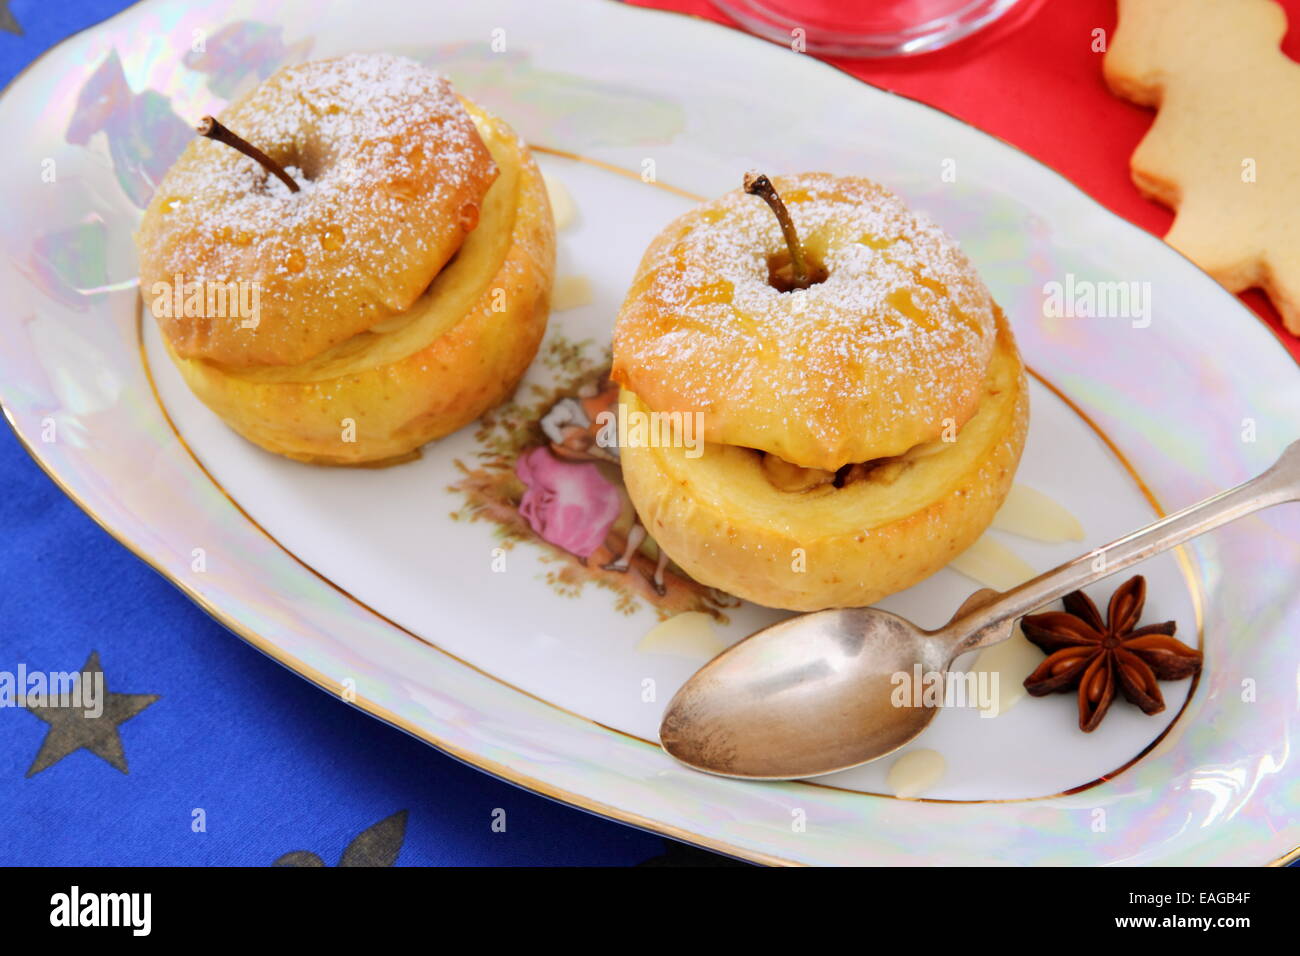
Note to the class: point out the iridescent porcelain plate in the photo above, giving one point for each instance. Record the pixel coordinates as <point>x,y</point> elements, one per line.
<point>453,598</point>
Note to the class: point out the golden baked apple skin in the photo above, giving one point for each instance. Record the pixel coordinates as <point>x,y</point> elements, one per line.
<point>393,177</point>
<point>459,350</point>
<point>724,523</point>
<point>870,362</point>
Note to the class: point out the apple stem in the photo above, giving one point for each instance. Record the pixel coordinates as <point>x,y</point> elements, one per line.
<point>757,184</point>
<point>209,127</point>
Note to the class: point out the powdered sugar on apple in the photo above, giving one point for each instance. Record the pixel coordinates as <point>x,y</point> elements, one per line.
<point>383,152</point>
<point>902,326</point>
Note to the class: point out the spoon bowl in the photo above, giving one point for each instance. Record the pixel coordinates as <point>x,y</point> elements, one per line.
<point>806,696</point>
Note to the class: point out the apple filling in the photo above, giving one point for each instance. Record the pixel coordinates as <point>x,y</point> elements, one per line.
<point>786,476</point>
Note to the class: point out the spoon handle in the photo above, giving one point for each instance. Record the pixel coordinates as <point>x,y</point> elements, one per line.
<point>1279,484</point>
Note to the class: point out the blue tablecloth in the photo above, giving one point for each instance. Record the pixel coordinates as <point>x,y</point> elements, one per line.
<point>215,754</point>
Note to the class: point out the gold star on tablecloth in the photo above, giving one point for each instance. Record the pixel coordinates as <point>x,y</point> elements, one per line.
<point>7,21</point>
<point>377,845</point>
<point>71,729</point>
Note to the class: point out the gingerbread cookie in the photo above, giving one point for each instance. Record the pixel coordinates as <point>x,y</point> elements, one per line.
<point>1224,150</point>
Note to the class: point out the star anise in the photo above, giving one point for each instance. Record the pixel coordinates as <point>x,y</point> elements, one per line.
<point>1095,655</point>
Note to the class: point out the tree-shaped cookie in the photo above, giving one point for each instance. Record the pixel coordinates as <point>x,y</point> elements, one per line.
<point>1224,150</point>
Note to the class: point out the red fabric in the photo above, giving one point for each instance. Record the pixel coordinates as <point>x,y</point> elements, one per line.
<point>1034,81</point>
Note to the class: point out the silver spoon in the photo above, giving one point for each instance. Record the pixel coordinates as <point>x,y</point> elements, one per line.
<point>811,695</point>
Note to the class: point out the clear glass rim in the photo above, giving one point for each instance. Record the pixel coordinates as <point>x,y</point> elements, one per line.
<point>759,18</point>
